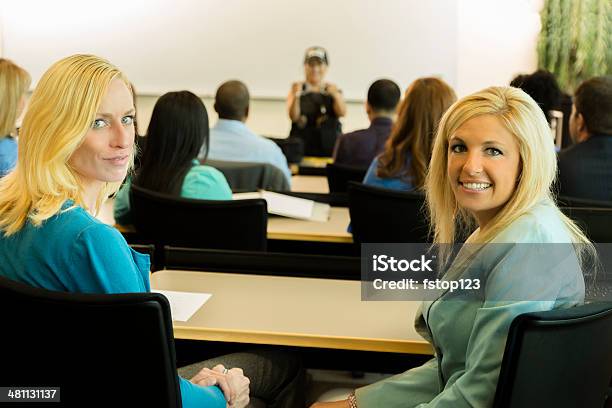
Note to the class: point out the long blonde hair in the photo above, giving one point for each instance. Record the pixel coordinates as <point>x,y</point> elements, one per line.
<point>61,111</point>
<point>524,119</point>
<point>425,102</point>
<point>14,83</point>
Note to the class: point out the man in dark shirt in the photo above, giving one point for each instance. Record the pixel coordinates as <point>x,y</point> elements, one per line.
<point>585,169</point>
<point>359,148</point>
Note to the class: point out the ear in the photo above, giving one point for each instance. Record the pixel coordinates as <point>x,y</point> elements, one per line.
<point>583,132</point>
<point>368,108</point>
<point>215,107</point>
<point>246,112</point>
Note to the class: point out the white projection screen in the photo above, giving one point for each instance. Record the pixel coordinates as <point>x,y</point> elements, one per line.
<point>197,44</point>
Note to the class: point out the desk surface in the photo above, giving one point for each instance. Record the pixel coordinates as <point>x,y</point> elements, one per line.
<point>309,184</point>
<point>303,312</point>
<point>334,230</point>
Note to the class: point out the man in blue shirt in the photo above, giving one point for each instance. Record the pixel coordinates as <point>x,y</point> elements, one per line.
<point>360,147</point>
<point>231,140</point>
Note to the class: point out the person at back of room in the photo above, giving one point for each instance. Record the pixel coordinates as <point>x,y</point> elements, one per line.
<point>14,83</point>
<point>403,163</point>
<point>542,86</point>
<point>315,106</point>
<point>177,133</point>
<point>232,140</point>
<point>584,168</point>
<point>360,147</point>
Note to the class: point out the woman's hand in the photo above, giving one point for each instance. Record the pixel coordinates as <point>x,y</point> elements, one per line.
<point>335,404</point>
<point>233,383</point>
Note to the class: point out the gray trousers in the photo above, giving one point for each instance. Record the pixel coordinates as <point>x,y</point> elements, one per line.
<point>277,377</point>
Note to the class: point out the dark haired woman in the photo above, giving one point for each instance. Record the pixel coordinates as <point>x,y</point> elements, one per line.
<point>177,131</point>
<point>403,163</point>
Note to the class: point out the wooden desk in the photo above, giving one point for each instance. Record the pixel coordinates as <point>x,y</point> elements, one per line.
<point>280,228</point>
<point>303,312</point>
<point>333,230</point>
<point>309,184</point>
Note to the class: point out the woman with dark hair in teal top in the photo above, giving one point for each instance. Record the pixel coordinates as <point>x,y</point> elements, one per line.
<point>177,131</point>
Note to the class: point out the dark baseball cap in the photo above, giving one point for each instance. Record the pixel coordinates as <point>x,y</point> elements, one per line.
<point>317,53</point>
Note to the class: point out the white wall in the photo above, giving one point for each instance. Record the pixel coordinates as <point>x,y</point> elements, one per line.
<point>475,43</point>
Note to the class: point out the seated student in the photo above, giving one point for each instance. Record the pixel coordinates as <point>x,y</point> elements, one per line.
<point>584,168</point>
<point>178,130</point>
<point>493,165</point>
<point>543,88</point>
<point>76,146</point>
<point>231,140</point>
<point>360,147</point>
<point>403,163</point>
<point>14,83</point>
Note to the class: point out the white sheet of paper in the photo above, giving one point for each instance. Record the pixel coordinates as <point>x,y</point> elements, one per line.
<point>184,304</point>
<point>289,206</point>
<point>281,204</point>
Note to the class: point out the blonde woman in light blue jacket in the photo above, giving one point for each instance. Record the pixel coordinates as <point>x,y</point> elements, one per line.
<point>491,172</point>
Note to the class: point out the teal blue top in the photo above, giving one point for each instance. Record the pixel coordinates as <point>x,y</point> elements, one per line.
<point>74,252</point>
<point>201,182</point>
<point>469,335</point>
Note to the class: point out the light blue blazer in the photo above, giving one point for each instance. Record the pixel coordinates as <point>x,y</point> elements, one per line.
<point>469,334</point>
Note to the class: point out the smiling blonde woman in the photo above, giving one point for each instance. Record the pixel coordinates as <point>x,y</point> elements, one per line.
<point>493,166</point>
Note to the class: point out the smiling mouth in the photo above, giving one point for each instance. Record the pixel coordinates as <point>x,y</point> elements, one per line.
<point>475,186</point>
<point>117,159</point>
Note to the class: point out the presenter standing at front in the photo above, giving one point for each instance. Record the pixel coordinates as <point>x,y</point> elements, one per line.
<point>315,106</point>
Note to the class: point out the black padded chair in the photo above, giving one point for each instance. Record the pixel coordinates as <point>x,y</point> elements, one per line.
<point>567,201</point>
<point>595,222</point>
<point>167,220</point>
<point>339,176</point>
<point>383,215</point>
<point>559,358</point>
<point>104,349</point>
<point>264,263</point>
<point>247,176</point>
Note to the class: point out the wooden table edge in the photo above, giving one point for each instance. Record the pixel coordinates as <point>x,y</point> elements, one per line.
<point>303,340</point>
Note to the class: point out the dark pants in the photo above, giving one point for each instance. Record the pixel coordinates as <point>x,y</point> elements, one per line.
<point>277,377</point>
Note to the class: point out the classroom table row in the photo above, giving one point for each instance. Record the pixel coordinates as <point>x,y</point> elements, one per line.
<point>289,311</point>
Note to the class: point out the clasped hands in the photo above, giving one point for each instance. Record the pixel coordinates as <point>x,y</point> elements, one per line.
<point>233,383</point>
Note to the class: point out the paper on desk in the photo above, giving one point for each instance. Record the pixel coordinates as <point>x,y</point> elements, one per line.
<point>184,304</point>
<point>288,206</point>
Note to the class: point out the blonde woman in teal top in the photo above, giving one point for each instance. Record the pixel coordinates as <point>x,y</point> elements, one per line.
<point>76,145</point>
<point>177,132</point>
<point>492,169</point>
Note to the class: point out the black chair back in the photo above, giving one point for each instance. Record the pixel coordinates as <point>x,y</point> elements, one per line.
<point>339,176</point>
<point>383,215</point>
<point>264,263</point>
<point>247,176</point>
<point>107,349</point>
<point>560,358</point>
<point>567,201</point>
<point>163,219</point>
<point>595,222</point>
